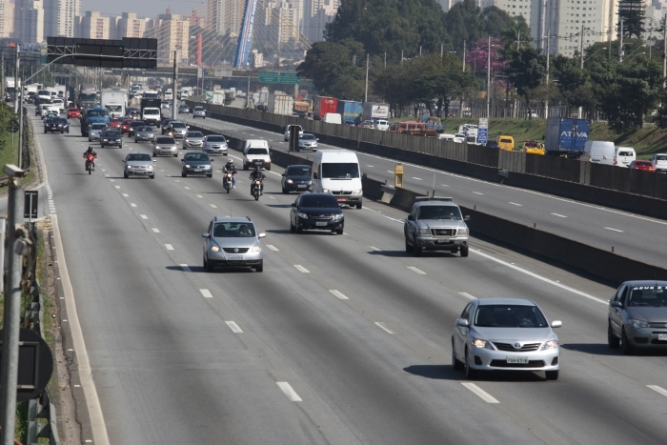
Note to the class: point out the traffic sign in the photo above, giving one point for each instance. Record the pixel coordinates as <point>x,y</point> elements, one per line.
<point>290,78</point>
<point>35,365</point>
<point>30,207</point>
<point>483,131</point>
<point>269,77</point>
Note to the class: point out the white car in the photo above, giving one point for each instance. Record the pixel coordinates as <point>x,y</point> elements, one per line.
<point>256,152</point>
<point>215,144</point>
<point>381,124</point>
<point>460,138</point>
<point>659,161</point>
<point>165,145</point>
<point>60,103</point>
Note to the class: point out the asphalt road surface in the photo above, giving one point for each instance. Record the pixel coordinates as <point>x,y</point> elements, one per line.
<point>341,340</point>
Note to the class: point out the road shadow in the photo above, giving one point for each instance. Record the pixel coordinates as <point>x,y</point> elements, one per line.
<point>200,269</point>
<point>390,253</point>
<point>280,206</point>
<point>447,372</point>
<point>604,349</point>
<point>436,372</point>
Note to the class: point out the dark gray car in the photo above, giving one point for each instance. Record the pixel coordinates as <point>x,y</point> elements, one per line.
<point>144,134</point>
<point>638,316</point>
<point>196,163</point>
<point>297,178</point>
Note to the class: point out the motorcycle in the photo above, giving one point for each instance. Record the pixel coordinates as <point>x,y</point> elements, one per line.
<point>90,164</point>
<point>256,189</point>
<point>227,182</point>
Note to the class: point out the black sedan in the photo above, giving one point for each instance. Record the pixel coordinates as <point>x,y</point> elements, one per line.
<point>133,127</point>
<point>64,125</point>
<point>492,144</point>
<point>297,178</point>
<point>318,211</point>
<point>52,124</point>
<point>111,137</point>
<point>196,163</point>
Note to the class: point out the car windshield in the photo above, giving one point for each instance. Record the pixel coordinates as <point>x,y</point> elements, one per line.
<point>85,96</point>
<point>661,158</point>
<point>216,139</point>
<point>165,141</point>
<point>439,212</point>
<point>319,201</point>
<point>648,296</point>
<point>147,129</point>
<point>138,157</point>
<point>509,316</point>
<point>137,124</point>
<point>233,230</point>
<point>644,163</point>
<point>149,112</point>
<point>196,157</point>
<point>98,126</point>
<point>97,112</point>
<point>340,170</point>
<point>308,137</point>
<point>111,133</point>
<point>195,134</point>
<point>199,108</point>
<point>298,171</point>
<point>257,151</point>
<point>178,125</point>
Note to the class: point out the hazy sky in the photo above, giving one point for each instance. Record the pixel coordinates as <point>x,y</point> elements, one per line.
<point>148,8</point>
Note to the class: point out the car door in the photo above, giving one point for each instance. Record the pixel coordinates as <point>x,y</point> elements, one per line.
<point>615,313</point>
<point>461,333</point>
<point>294,210</point>
<point>411,223</point>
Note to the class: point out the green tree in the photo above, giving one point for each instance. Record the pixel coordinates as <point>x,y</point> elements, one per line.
<point>525,70</point>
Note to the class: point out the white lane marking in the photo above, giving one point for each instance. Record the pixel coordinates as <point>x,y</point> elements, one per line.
<point>375,249</point>
<point>444,185</point>
<point>272,247</point>
<point>370,166</point>
<point>112,180</point>
<point>271,197</point>
<point>143,216</point>
<point>132,204</point>
<point>104,170</point>
<point>559,215</point>
<point>155,230</point>
<point>117,186</point>
<point>389,171</point>
<point>541,278</point>
<point>339,294</point>
<point>614,230</point>
<point>479,392</point>
<point>200,196</point>
<point>106,175</point>
<point>178,180</point>
<point>185,268</point>
<point>214,206</point>
<point>234,327</point>
<point>418,179</point>
<point>289,392</point>
<point>125,195</point>
<point>275,174</point>
<point>186,188</point>
<point>383,327</point>
<point>206,293</point>
<point>169,247</point>
<point>467,295</point>
<point>478,193</point>
<point>515,204</point>
<point>302,269</point>
<point>417,271</point>
<point>658,389</point>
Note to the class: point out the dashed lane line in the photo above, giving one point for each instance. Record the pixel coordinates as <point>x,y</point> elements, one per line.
<point>382,326</point>
<point>206,293</point>
<point>185,267</point>
<point>169,247</point>
<point>301,269</point>
<point>479,392</point>
<point>234,327</point>
<point>339,294</point>
<point>417,271</point>
<point>467,295</point>
<point>292,396</point>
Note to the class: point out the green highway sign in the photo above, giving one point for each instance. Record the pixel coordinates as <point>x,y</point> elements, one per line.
<point>269,77</point>
<point>290,78</point>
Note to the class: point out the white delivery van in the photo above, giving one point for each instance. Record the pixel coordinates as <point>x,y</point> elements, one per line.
<point>624,156</point>
<point>337,172</point>
<point>333,118</point>
<point>381,124</point>
<point>256,152</point>
<point>600,152</point>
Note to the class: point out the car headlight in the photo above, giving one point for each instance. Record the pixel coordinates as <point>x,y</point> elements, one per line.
<point>106,140</point>
<point>187,165</point>
<point>357,192</point>
<point>149,167</point>
<point>289,181</point>
<point>256,249</point>
<point>482,344</point>
<point>463,231</point>
<point>157,147</point>
<point>337,217</point>
<point>129,166</point>
<point>215,249</point>
<point>310,182</point>
<point>187,140</point>
<point>422,231</point>
<point>325,190</point>
<point>206,167</point>
<point>302,215</point>
<point>638,324</point>
<point>551,344</point>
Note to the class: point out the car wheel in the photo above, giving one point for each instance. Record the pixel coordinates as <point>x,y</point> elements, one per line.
<point>291,227</point>
<point>339,231</point>
<point>136,141</point>
<point>299,229</point>
<point>285,191</point>
<point>359,206</point>
<point>456,363</point>
<point>245,167</point>
<point>626,347</point>
<point>175,155</point>
<point>469,371</point>
<point>612,340</point>
<point>464,251</point>
<point>120,146</point>
<point>551,375</point>
<point>408,247</point>
<point>101,145</point>
<point>152,176</point>
<point>125,175</point>
<point>417,250</point>
<point>260,268</point>
<point>207,266</point>
<point>209,176</point>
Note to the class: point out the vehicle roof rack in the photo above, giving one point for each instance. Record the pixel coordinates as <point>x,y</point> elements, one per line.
<point>433,198</point>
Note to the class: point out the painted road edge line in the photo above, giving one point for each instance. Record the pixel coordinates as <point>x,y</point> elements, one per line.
<point>339,294</point>
<point>301,269</point>
<point>272,247</point>
<point>467,295</point>
<point>206,293</point>
<point>382,326</point>
<point>658,389</point>
<point>289,392</point>
<point>234,327</point>
<point>415,270</point>
<point>479,392</point>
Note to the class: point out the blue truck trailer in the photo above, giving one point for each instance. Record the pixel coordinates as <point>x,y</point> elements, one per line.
<point>350,110</point>
<point>566,137</point>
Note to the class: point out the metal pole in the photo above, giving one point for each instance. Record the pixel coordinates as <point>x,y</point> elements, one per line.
<point>385,59</point>
<point>19,163</point>
<point>367,65</point>
<point>464,56</point>
<point>10,341</point>
<point>488,80</point>
<point>2,86</point>
<point>174,88</point>
<point>580,112</point>
<point>620,44</point>
<point>16,77</point>
<point>247,94</point>
<point>442,50</point>
<point>546,102</point>
<point>664,53</point>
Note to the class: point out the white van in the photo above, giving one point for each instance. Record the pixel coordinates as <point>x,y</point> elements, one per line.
<point>600,152</point>
<point>333,118</point>
<point>381,124</point>
<point>624,156</point>
<point>337,172</point>
<point>256,151</point>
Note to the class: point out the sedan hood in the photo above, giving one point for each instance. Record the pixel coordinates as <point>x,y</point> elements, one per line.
<point>298,178</point>
<point>236,242</point>
<point>508,335</point>
<point>648,313</point>
<point>139,163</point>
<point>194,162</point>
<point>316,211</point>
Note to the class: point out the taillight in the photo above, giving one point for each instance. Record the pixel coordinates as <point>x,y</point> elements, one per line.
<point>615,161</point>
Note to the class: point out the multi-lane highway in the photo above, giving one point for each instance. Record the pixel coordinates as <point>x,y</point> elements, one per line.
<point>633,236</point>
<point>341,340</point>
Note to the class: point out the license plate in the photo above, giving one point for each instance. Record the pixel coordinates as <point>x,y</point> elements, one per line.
<point>517,359</point>
<point>442,241</point>
<point>301,186</point>
<point>235,257</point>
<point>199,169</point>
<point>341,199</point>
<point>662,337</point>
<point>321,223</point>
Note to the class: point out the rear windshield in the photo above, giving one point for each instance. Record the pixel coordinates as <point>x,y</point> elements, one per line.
<point>137,124</point>
<point>257,151</point>
<point>625,153</point>
<point>661,158</point>
<point>320,201</point>
<point>165,141</point>
<point>216,139</point>
<point>506,141</point>
<point>643,163</point>
<point>439,212</point>
<point>648,296</point>
<point>97,112</point>
<point>509,316</point>
<point>98,126</point>
<point>298,171</point>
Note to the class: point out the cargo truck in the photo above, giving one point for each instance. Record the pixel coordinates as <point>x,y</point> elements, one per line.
<point>350,111</point>
<point>115,101</point>
<point>87,97</point>
<point>566,137</point>
<point>323,105</point>
<point>375,110</point>
<point>280,104</point>
<point>150,111</point>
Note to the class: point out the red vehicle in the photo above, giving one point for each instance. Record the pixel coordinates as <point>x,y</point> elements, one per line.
<point>642,165</point>
<point>74,113</point>
<point>114,123</point>
<point>125,125</point>
<point>323,105</point>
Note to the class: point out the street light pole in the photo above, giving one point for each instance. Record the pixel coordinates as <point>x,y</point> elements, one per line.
<point>580,112</point>
<point>367,65</point>
<point>488,81</point>
<point>174,89</point>
<point>546,102</point>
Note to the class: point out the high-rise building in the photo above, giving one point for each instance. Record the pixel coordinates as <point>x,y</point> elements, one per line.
<point>60,17</point>
<point>29,21</point>
<point>129,25</point>
<point>225,16</point>
<point>316,15</point>
<point>6,18</point>
<point>94,26</point>
<point>172,32</point>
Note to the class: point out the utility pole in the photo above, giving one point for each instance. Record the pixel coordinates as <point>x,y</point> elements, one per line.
<point>247,94</point>
<point>580,112</point>
<point>518,40</point>
<point>442,50</point>
<point>464,56</point>
<point>367,65</point>
<point>664,52</point>
<point>12,316</point>
<point>401,57</point>
<point>420,50</point>
<point>16,77</point>
<point>385,60</point>
<point>2,87</point>
<point>174,89</point>
<point>620,44</point>
<point>488,80</point>
<point>546,102</point>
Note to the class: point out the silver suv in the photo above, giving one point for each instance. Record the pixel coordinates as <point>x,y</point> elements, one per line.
<point>233,242</point>
<point>436,223</point>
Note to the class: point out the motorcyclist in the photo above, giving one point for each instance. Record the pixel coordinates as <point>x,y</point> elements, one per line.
<point>257,175</point>
<point>229,167</point>
<point>90,155</point>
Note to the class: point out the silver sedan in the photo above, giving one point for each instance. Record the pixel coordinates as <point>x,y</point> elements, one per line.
<point>193,139</point>
<point>199,112</point>
<point>144,134</point>
<point>165,145</point>
<point>139,164</point>
<point>215,144</point>
<point>505,334</point>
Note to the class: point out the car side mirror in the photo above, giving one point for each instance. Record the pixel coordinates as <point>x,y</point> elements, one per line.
<point>124,160</point>
<point>410,218</point>
<point>294,204</point>
<point>466,218</point>
<point>462,323</point>
<point>616,304</point>
<point>283,174</point>
<point>261,235</point>
<point>205,235</point>
<point>556,324</point>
